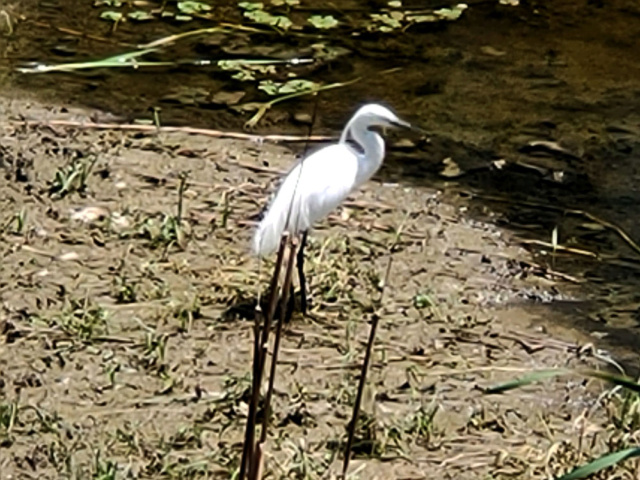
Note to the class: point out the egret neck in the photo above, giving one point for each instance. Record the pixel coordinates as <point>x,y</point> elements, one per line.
<point>372,145</point>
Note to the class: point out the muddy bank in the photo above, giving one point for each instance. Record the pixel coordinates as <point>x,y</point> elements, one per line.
<point>126,348</point>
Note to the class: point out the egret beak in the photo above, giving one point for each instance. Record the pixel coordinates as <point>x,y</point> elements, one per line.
<point>407,126</point>
<point>401,124</point>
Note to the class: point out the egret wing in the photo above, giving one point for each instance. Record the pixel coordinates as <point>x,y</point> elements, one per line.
<point>308,193</point>
<point>329,179</point>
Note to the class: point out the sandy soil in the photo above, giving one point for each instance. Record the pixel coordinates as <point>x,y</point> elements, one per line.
<point>126,349</point>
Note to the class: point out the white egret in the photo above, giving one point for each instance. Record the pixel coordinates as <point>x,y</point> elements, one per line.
<point>309,192</point>
<point>321,181</point>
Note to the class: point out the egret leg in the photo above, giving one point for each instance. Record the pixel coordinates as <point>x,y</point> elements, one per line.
<point>301,277</point>
<point>291,303</point>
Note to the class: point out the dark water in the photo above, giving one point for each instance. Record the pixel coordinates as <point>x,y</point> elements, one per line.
<point>536,106</point>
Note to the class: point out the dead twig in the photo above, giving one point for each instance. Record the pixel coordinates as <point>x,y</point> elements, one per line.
<point>172,129</point>
<point>560,248</point>
<point>77,33</point>
<point>567,211</point>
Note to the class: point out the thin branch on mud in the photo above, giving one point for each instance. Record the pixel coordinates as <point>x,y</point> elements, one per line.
<point>631,263</point>
<point>560,248</point>
<point>169,129</point>
<point>253,456</point>
<point>77,33</point>
<point>567,211</point>
<point>223,28</point>
<point>260,169</point>
<point>541,269</point>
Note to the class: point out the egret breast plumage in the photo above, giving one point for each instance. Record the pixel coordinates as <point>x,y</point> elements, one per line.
<point>321,181</point>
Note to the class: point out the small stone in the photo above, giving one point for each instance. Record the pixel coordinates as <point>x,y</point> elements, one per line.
<point>450,168</point>
<point>494,52</point>
<point>303,118</point>
<point>89,214</point>
<point>227,98</point>
<point>66,257</point>
<point>405,144</point>
<point>119,221</point>
<point>6,24</point>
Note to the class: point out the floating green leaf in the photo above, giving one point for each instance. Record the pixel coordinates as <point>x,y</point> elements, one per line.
<point>247,69</point>
<point>260,16</point>
<point>451,13</point>
<point>140,16</point>
<point>244,76</point>
<point>251,6</point>
<point>229,64</point>
<point>111,16</point>
<point>421,18</point>
<point>292,86</point>
<point>108,3</point>
<point>323,21</point>
<point>326,52</point>
<point>178,17</point>
<point>262,108</point>
<point>394,20</point>
<point>191,7</point>
<point>386,22</point>
<point>280,3</point>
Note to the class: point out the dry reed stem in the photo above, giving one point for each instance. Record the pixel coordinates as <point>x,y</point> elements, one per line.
<point>365,366</point>
<point>257,465</point>
<point>172,129</point>
<point>261,337</point>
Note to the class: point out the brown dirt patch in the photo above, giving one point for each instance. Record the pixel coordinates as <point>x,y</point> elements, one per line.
<point>126,354</point>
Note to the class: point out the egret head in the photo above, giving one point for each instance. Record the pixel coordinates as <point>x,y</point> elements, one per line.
<point>374,115</point>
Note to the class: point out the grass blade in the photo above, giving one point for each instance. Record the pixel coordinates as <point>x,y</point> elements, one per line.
<point>601,463</point>
<point>526,380</point>
<point>128,59</point>
<point>619,380</point>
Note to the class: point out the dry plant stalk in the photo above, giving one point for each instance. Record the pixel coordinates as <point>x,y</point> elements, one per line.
<point>253,452</point>
<point>363,374</point>
<point>255,473</point>
<point>261,338</point>
<point>253,455</point>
